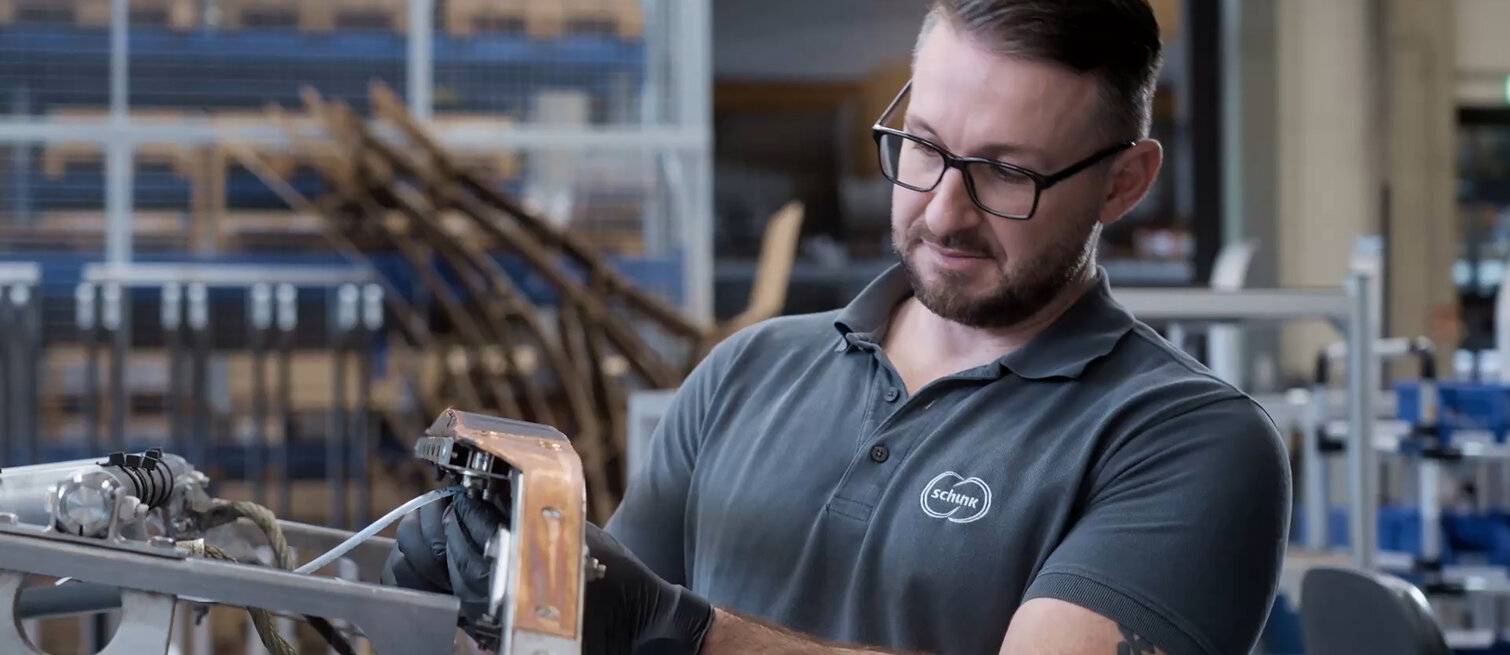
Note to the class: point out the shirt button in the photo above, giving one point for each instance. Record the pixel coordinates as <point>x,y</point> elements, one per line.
<point>879,454</point>
<point>892,395</point>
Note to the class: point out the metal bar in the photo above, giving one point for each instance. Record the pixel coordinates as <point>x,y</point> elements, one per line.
<point>20,273</point>
<point>466,139</point>
<point>1246,305</point>
<point>288,319</point>
<point>201,435</point>
<point>9,432</point>
<point>396,620</point>
<point>172,318</point>
<point>223,275</point>
<point>1429,473</point>
<point>28,341</point>
<point>115,319</point>
<point>261,315</point>
<point>1361,457</point>
<point>342,320</point>
<point>1314,468</point>
<point>694,81</point>
<point>85,314</point>
<point>362,441</point>
<point>120,22</point>
<point>421,61</point>
<point>65,600</point>
<point>118,159</point>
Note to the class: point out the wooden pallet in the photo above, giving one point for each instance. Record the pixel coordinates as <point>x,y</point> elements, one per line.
<point>58,155</point>
<point>177,14</point>
<point>503,164</point>
<point>546,19</point>
<point>85,230</point>
<point>315,16</point>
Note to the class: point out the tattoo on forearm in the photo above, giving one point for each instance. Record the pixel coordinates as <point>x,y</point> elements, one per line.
<point>1132,644</point>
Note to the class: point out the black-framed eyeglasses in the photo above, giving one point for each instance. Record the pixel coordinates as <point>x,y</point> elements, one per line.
<point>996,187</point>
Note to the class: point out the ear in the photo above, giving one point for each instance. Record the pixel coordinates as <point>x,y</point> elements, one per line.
<point>1131,176</point>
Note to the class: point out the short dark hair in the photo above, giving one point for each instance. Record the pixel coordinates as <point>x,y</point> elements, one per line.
<point>1115,40</point>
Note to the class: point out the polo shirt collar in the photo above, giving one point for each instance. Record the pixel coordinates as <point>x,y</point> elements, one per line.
<point>1087,331</point>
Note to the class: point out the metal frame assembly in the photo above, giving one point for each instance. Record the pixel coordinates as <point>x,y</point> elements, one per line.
<point>128,532</point>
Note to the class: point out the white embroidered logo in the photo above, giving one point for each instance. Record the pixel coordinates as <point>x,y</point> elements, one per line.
<point>956,498</point>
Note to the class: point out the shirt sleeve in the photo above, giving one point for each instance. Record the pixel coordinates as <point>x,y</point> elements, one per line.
<point>1183,534</point>
<point>651,520</point>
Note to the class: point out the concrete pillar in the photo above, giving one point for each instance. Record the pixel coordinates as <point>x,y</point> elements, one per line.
<point>1421,119</point>
<point>1329,149</point>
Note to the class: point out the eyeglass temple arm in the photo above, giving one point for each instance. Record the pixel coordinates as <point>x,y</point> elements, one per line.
<point>893,106</point>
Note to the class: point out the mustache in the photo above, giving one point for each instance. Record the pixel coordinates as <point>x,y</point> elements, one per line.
<point>964,241</point>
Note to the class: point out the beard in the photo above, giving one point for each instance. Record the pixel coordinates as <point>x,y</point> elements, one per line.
<point>1017,290</point>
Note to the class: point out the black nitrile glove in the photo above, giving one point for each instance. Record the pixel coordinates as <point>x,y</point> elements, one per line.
<point>632,610</point>
<point>440,549</point>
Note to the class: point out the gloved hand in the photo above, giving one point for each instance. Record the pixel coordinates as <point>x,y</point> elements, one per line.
<point>632,610</point>
<point>440,548</point>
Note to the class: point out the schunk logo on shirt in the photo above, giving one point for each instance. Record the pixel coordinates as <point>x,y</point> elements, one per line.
<point>956,498</point>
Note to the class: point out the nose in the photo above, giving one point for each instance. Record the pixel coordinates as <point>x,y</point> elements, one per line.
<point>949,207</point>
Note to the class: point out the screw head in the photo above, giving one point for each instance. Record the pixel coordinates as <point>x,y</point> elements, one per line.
<point>161,542</point>
<point>546,612</point>
<point>551,513</point>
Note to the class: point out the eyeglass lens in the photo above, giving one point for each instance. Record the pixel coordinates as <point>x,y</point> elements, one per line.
<point>918,166</point>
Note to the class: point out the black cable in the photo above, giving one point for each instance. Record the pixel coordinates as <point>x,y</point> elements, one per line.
<point>331,635</point>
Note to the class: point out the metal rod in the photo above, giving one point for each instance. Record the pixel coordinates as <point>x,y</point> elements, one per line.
<point>85,314</point>
<point>261,314</point>
<point>1361,457</point>
<point>172,319</point>
<point>1429,472</point>
<point>29,312</point>
<point>421,61</point>
<point>118,161</point>
<point>1314,468</point>
<point>114,319</point>
<point>201,432</point>
<point>8,416</point>
<point>361,449</point>
<point>288,319</point>
<point>343,320</point>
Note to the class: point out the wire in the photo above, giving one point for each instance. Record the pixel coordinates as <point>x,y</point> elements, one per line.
<point>267,522</point>
<point>262,620</point>
<point>377,526</point>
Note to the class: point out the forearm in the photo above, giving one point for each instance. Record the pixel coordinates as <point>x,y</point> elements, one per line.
<point>733,634</point>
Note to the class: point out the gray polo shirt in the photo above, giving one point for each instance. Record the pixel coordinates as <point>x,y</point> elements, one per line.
<point>795,480</point>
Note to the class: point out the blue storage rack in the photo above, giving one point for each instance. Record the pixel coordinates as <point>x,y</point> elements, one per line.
<point>253,66</point>
<point>662,276</point>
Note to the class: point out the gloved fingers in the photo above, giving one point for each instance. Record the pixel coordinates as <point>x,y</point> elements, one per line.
<point>422,540</point>
<point>468,566</point>
<point>400,572</point>
<point>478,519</point>
<point>466,554</point>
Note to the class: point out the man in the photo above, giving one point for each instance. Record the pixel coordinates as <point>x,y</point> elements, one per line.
<point>983,452</point>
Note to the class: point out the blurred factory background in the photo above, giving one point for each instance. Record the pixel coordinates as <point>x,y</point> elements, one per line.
<point>180,265</point>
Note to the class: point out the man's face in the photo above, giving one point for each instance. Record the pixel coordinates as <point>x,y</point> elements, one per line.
<point>971,267</point>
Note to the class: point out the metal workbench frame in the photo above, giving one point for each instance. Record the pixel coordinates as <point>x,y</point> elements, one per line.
<point>1351,312</point>
<point>152,579</point>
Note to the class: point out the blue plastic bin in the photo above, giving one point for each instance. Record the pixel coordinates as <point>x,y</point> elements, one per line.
<point>1460,406</point>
